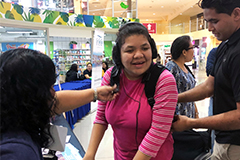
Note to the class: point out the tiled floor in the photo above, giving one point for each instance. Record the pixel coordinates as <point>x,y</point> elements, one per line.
<point>105,151</point>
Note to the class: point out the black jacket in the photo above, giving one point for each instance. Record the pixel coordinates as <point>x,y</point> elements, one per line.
<point>73,76</point>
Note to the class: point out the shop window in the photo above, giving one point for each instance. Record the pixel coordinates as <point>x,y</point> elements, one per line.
<point>193,23</point>
<point>201,22</point>
<point>12,38</point>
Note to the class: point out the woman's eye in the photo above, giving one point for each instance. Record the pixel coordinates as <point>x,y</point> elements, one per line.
<point>145,48</point>
<point>129,51</point>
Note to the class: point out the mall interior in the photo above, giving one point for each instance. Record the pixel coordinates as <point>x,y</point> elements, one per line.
<point>64,30</point>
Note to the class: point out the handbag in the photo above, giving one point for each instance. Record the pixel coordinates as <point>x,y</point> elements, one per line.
<point>190,144</point>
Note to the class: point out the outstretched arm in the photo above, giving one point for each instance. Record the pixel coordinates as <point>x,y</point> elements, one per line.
<point>199,92</point>
<point>225,121</point>
<point>71,99</point>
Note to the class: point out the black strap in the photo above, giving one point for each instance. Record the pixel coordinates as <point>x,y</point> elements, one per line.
<point>150,80</point>
<point>115,77</point>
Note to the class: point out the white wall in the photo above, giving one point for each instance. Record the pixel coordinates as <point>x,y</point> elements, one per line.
<point>66,31</point>
<point>63,42</point>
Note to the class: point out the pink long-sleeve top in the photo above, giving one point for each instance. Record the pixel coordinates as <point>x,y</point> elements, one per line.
<point>137,126</point>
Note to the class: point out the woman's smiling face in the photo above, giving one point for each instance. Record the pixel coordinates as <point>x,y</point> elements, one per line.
<point>136,56</point>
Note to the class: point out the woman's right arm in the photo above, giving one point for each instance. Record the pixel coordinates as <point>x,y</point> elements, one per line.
<point>96,137</point>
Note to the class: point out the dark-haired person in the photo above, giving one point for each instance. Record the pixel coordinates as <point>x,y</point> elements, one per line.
<point>28,101</point>
<point>182,52</point>
<point>223,18</point>
<point>104,67</point>
<point>140,132</point>
<point>88,71</point>
<point>210,62</point>
<point>158,59</point>
<point>72,74</point>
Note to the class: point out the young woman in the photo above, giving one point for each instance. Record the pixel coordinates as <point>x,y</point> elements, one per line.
<point>28,101</point>
<point>140,132</point>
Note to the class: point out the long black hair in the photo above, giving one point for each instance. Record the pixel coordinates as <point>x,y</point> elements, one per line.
<point>127,30</point>
<point>104,69</point>
<point>178,45</point>
<point>27,77</point>
<point>73,67</point>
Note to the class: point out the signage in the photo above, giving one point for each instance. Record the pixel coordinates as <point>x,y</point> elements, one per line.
<point>97,55</point>
<point>98,48</point>
<point>151,27</point>
<point>14,45</point>
<point>167,45</point>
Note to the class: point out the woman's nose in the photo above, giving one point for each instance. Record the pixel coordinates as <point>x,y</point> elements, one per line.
<point>138,53</point>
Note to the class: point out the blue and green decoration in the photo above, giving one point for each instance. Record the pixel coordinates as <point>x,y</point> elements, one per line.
<point>30,14</point>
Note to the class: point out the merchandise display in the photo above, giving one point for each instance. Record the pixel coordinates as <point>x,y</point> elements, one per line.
<point>70,56</point>
<point>64,58</point>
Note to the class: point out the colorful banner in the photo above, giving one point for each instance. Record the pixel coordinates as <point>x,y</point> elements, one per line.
<point>98,48</point>
<point>30,14</point>
<point>13,45</point>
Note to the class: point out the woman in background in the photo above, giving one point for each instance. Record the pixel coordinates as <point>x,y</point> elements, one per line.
<point>104,67</point>
<point>158,59</point>
<point>182,52</point>
<point>72,74</point>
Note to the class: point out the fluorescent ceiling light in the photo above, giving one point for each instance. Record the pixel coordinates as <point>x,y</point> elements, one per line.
<point>17,31</point>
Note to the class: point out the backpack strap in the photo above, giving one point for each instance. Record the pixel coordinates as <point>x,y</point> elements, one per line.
<point>115,77</point>
<point>150,79</point>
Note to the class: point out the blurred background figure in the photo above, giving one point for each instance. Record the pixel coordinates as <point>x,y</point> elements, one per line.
<point>73,75</point>
<point>158,59</point>
<point>88,72</point>
<point>104,67</point>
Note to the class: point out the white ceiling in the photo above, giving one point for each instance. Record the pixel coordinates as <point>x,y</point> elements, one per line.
<point>163,10</point>
<point>150,10</point>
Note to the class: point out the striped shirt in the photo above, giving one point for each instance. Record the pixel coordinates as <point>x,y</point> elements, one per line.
<point>135,124</point>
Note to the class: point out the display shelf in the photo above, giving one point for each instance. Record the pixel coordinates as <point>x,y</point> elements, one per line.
<point>64,58</point>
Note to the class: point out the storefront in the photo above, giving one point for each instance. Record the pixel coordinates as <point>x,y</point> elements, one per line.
<point>52,33</point>
<point>20,37</point>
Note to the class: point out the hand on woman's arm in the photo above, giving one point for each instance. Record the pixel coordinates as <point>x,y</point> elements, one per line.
<point>71,99</point>
<point>96,137</point>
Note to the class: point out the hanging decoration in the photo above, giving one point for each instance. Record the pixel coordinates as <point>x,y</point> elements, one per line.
<point>123,5</point>
<point>30,14</point>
